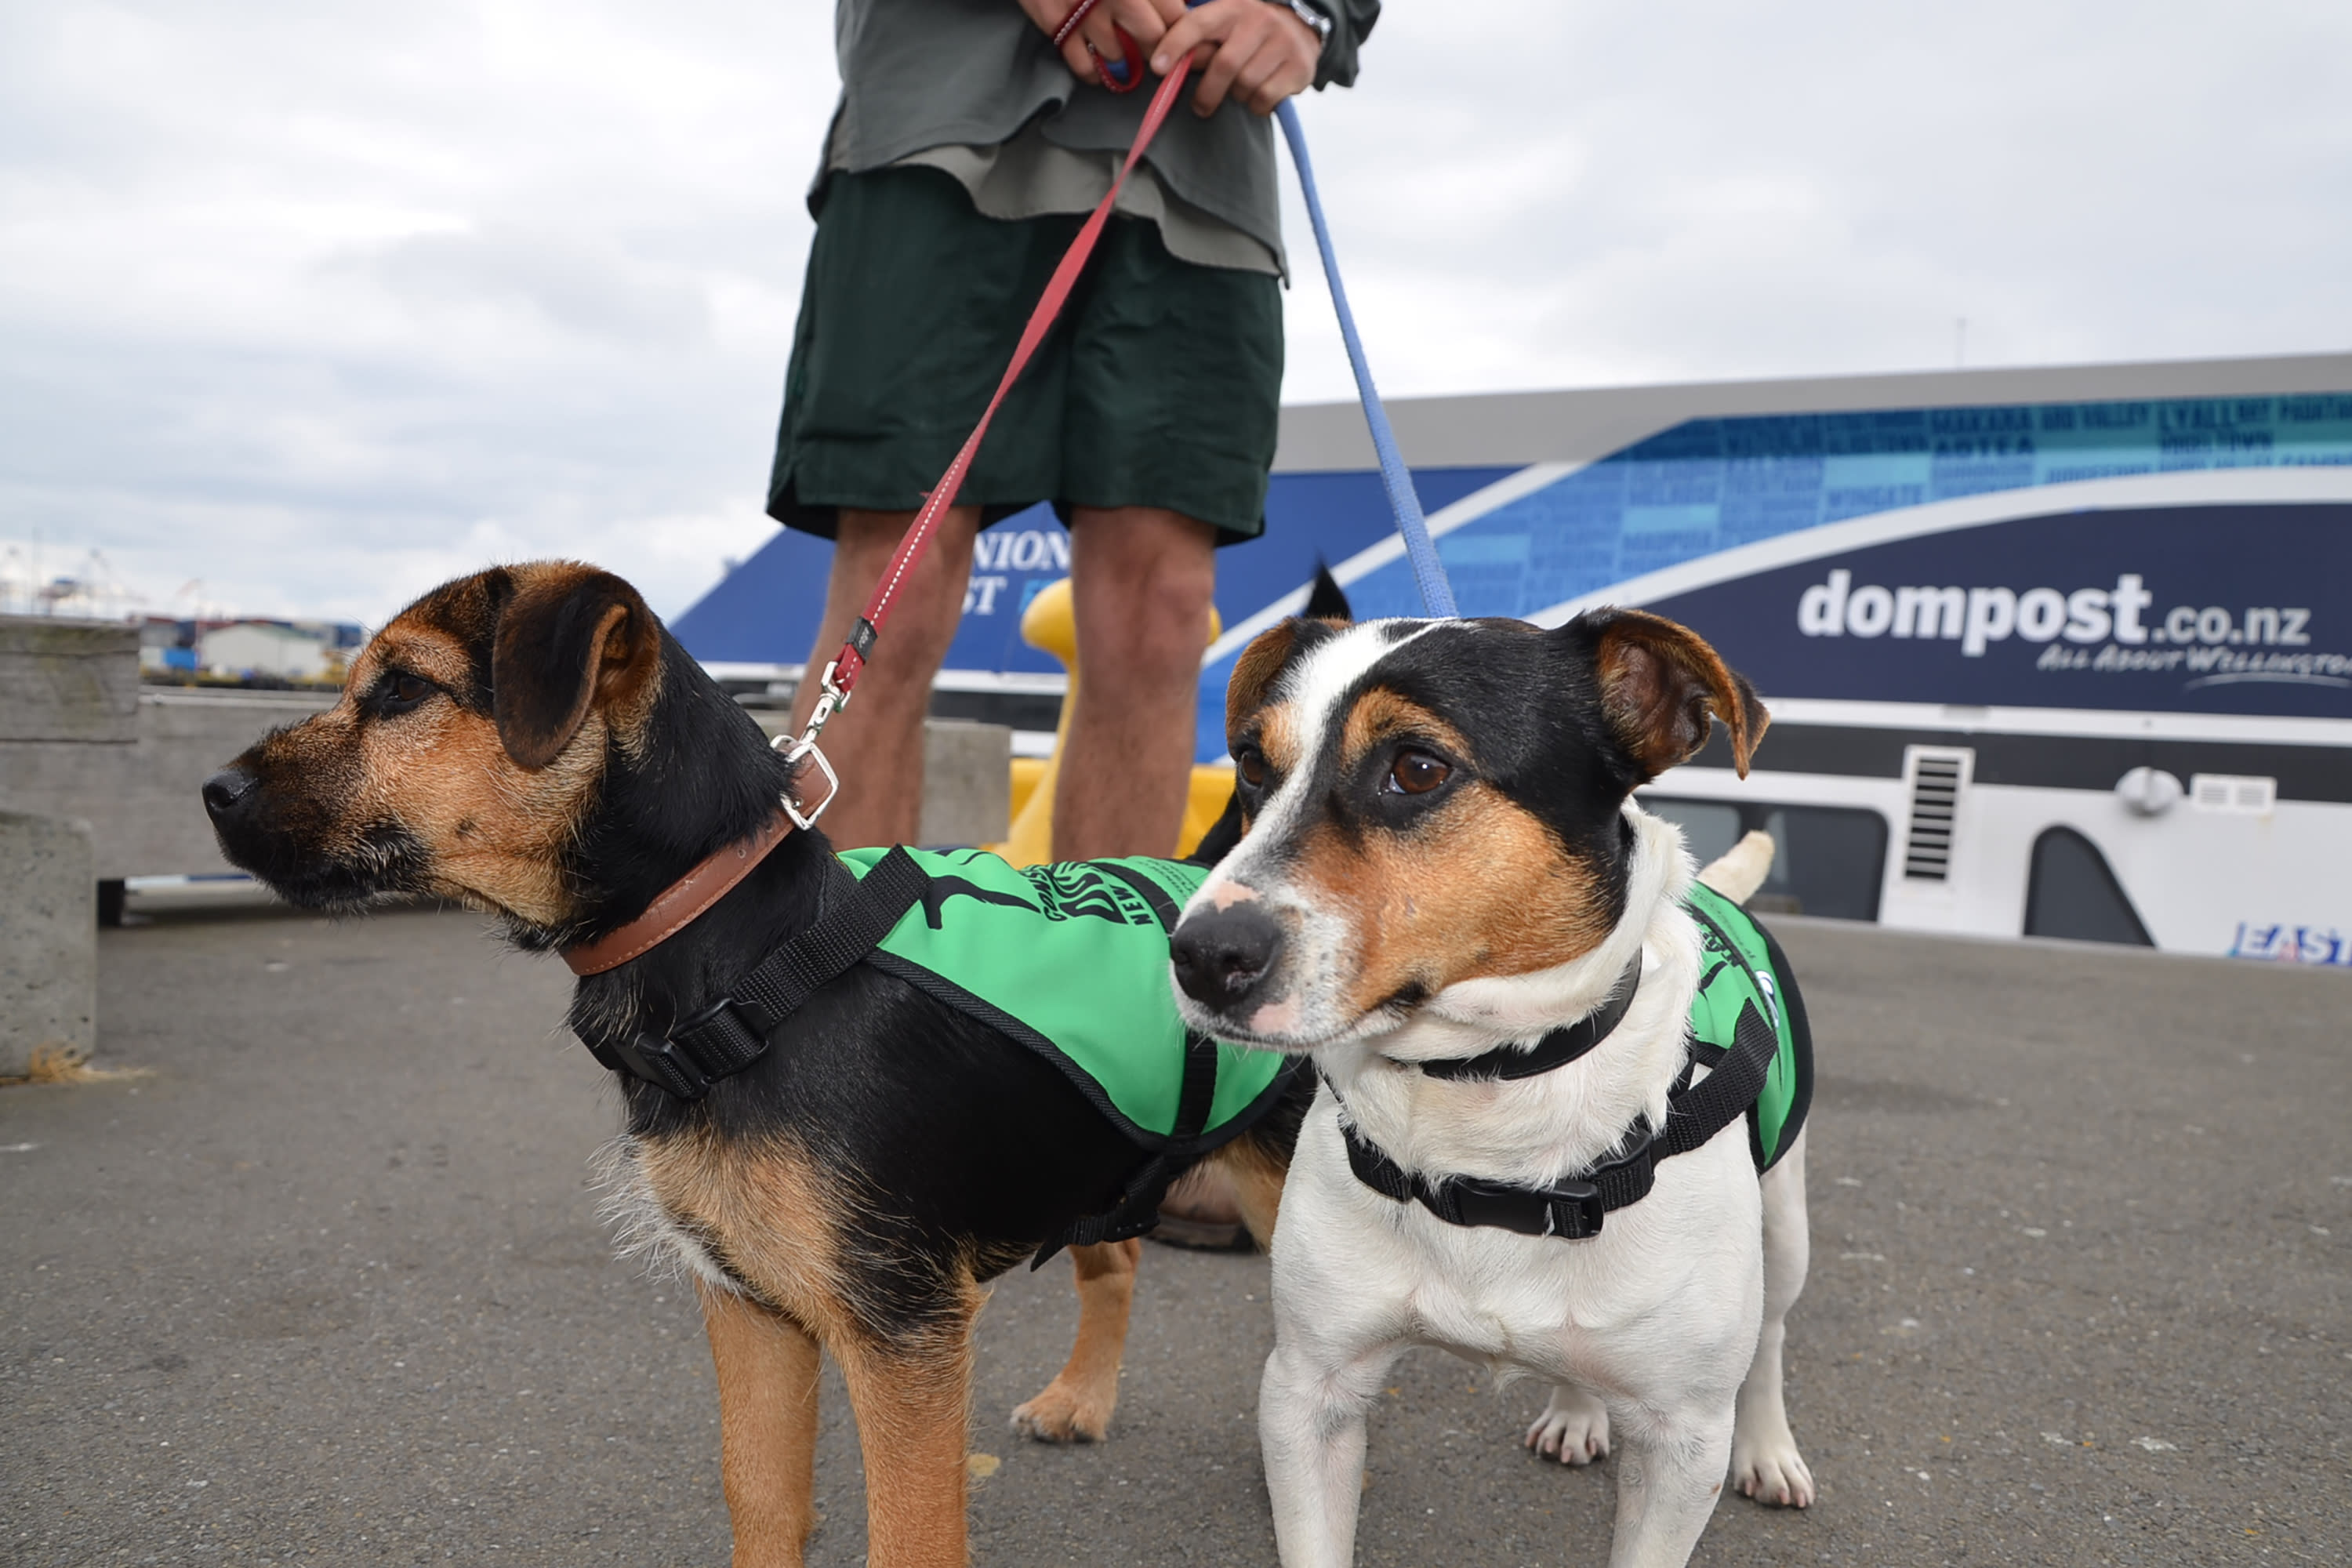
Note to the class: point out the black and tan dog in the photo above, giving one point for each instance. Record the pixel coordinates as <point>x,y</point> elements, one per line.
<point>531,741</point>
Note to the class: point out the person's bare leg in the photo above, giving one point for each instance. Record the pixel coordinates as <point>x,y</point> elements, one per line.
<point>876,744</point>
<point>1144,578</point>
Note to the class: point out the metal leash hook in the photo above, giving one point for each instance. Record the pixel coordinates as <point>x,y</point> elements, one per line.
<point>831,698</point>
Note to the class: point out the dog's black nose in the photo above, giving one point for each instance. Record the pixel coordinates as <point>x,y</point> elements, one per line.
<point>226,791</point>
<point>1221,955</point>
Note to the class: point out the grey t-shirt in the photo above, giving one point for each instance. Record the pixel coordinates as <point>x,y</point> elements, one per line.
<point>976,88</point>
<point>1030,177</point>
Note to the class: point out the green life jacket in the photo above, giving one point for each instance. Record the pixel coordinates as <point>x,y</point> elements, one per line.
<point>1071,961</point>
<point>1740,966</point>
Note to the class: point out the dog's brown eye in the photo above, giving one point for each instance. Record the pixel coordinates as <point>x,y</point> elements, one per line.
<point>402,691</point>
<point>1251,762</point>
<point>1416,773</point>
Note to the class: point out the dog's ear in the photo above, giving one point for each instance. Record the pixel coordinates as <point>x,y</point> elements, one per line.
<point>571,639</point>
<point>1326,600</point>
<point>1659,683</point>
<point>1253,672</point>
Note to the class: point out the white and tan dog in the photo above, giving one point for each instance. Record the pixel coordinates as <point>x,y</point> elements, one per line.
<point>1443,861</point>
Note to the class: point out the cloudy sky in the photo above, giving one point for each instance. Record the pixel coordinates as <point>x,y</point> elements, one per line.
<point>303,308</point>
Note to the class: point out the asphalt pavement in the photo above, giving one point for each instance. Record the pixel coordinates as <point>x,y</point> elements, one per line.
<point>328,1285</point>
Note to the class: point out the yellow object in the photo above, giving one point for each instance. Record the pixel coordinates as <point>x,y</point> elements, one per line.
<point>1211,787</point>
<point>1050,626</point>
<point>1026,772</point>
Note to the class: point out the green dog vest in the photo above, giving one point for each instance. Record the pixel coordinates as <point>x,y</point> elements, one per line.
<point>1741,966</point>
<point>1071,961</point>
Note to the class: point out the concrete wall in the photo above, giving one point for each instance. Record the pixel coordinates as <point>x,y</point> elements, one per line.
<point>967,783</point>
<point>80,739</point>
<point>139,793</point>
<point>140,796</point>
<point>68,680</point>
<point>48,939</point>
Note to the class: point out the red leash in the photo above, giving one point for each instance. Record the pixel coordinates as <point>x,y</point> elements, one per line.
<point>841,674</point>
<point>1130,60</point>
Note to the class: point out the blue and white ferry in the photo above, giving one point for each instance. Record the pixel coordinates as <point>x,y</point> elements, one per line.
<point>2050,652</point>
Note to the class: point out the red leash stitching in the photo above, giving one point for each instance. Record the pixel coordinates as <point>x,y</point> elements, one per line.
<point>1070,23</point>
<point>841,674</point>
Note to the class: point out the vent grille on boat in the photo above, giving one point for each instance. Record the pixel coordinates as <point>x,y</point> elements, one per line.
<point>1937,779</point>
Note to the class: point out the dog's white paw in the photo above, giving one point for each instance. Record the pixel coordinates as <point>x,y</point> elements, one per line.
<point>1770,1470</point>
<point>1573,1427</point>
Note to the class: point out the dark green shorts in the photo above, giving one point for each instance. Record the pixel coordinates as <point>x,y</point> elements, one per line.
<point>1160,385</point>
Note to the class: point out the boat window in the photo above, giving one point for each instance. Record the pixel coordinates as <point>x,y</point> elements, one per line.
<point>2073,893</point>
<point>1829,860</point>
<point>1709,827</point>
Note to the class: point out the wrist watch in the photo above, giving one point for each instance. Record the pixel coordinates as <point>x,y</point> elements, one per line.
<point>1317,21</point>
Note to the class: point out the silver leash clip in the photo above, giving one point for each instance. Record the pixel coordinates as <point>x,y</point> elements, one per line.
<point>831,699</point>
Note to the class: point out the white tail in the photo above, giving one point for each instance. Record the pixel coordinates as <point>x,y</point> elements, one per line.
<point>1742,868</point>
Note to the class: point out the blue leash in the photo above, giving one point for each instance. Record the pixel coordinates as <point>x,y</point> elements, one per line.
<point>1436,592</point>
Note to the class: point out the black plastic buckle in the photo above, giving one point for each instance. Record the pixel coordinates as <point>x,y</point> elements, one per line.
<point>665,1065</point>
<point>693,1023</point>
<point>1526,1211</point>
<point>1584,1219</point>
<point>1575,1210</point>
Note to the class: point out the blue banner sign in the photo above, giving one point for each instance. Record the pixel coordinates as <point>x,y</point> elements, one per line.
<point>2215,609</point>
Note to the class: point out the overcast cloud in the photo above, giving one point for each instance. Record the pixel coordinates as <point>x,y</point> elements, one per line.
<point>320,305</point>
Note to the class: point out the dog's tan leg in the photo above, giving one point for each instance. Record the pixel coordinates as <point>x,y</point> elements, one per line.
<point>767,1427</point>
<point>1257,1178</point>
<point>913,1406</point>
<point>1076,1406</point>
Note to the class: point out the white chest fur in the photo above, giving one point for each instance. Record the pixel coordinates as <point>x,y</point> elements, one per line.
<point>1677,1274</point>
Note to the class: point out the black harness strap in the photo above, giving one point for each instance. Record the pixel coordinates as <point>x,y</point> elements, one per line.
<point>852,919</point>
<point>1572,1208</point>
<point>732,1033</point>
<point>1137,1209</point>
<point>1696,1115</point>
<point>1558,1049</point>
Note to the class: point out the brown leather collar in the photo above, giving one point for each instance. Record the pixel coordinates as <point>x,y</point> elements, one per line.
<point>675,906</point>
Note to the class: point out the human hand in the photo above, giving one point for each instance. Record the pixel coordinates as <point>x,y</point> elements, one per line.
<point>1248,50</point>
<point>1146,22</point>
